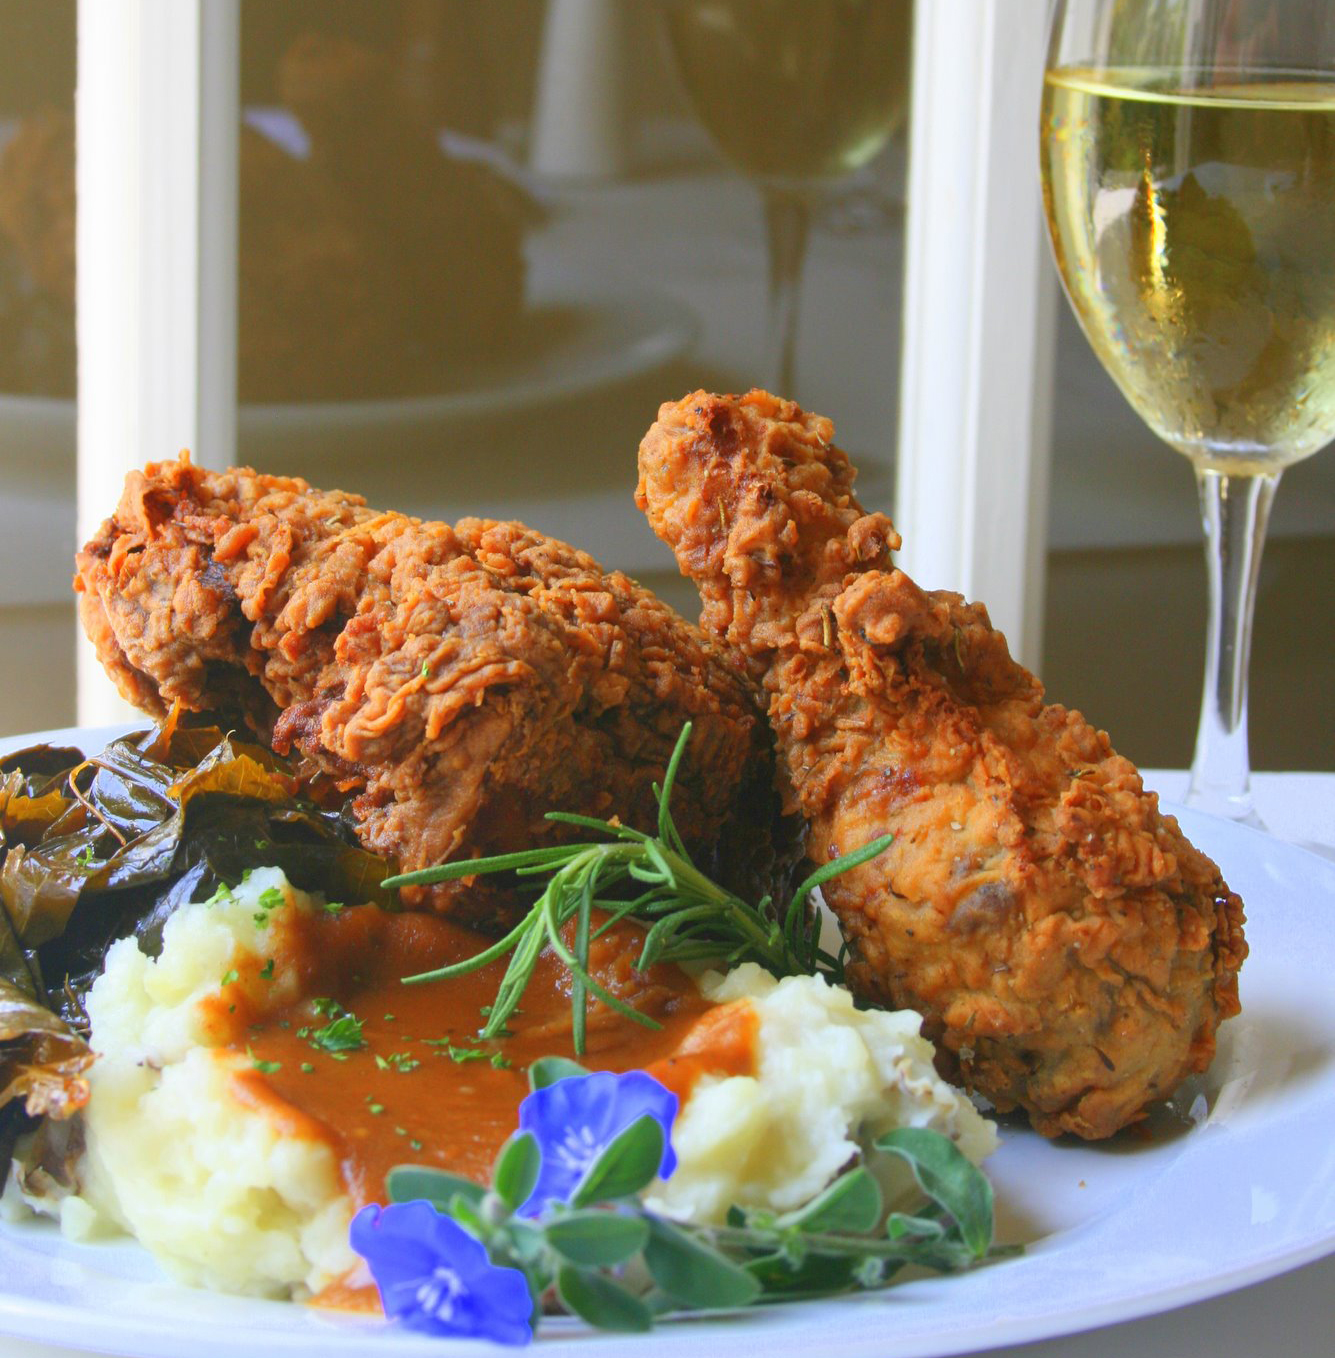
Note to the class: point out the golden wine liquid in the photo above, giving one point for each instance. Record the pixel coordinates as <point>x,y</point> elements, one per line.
<point>1195,232</point>
<point>794,90</point>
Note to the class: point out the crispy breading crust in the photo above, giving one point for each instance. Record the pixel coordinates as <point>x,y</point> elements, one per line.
<point>1071,952</point>
<point>461,681</point>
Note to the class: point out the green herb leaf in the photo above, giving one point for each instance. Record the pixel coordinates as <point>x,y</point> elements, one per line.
<point>264,1067</point>
<point>816,1275</point>
<point>693,1272</point>
<point>547,1070</point>
<point>853,1203</point>
<point>229,977</point>
<point>597,1239</point>
<point>266,971</point>
<point>628,1164</point>
<point>899,1226</point>
<point>343,1034</point>
<point>271,898</point>
<point>946,1175</point>
<point>516,1170</point>
<point>601,1302</point>
<point>408,1183</point>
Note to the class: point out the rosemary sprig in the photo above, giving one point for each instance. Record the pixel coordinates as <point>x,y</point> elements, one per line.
<point>690,917</point>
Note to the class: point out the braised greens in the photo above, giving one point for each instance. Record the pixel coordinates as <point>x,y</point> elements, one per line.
<point>100,848</point>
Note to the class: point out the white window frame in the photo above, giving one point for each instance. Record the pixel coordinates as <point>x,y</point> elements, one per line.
<point>979,315</point>
<point>156,178</point>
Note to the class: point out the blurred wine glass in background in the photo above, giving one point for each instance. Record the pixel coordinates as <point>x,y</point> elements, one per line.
<point>1188,159</point>
<point>798,97</point>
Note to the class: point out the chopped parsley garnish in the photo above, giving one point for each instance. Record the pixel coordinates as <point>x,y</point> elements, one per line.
<point>415,1144</point>
<point>266,971</point>
<point>270,899</point>
<point>85,856</point>
<point>264,1067</point>
<point>222,896</point>
<point>343,1034</point>
<point>229,977</point>
<point>462,1054</point>
<point>306,1067</point>
<point>332,907</point>
<point>399,1061</point>
<point>375,1109</point>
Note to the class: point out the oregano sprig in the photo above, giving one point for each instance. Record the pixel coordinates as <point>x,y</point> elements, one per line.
<point>598,1252</point>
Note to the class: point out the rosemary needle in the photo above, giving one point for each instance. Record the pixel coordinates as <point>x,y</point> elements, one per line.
<point>689,916</point>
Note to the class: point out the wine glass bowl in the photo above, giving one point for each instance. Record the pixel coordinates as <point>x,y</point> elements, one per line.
<point>796,96</point>
<point>1188,165</point>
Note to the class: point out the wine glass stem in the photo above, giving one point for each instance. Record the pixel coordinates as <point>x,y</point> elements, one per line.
<point>787,227</point>
<point>1235,510</point>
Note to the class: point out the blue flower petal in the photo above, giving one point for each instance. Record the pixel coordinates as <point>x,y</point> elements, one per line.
<point>434,1276</point>
<point>575,1119</point>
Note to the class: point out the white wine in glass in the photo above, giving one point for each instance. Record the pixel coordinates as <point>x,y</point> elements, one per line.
<point>797,94</point>
<point>1188,158</point>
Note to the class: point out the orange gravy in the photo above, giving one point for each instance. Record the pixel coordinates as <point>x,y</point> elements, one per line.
<point>424,1088</point>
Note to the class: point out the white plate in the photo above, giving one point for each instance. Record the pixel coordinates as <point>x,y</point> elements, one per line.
<point>1113,1232</point>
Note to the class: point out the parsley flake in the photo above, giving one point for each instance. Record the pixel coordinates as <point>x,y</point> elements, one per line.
<point>266,971</point>
<point>340,1035</point>
<point>264,1067</point>
<point>229,977</point>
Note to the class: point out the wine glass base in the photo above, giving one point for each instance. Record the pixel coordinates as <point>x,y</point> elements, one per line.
<point>1238,808</point>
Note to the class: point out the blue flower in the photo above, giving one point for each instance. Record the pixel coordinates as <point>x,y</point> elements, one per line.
<point>576,1119</point>
<point>434,1276</point>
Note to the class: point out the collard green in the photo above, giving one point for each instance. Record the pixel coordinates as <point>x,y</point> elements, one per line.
<point>99,848</point>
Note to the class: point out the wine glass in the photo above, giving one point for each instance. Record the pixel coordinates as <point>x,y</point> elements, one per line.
<point>797,96</point>
<point>1188,158</point>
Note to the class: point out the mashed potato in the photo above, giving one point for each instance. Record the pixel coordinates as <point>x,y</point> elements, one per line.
<point>221,1195</point>
<point>830,1078</point>
<point>227,1195</point>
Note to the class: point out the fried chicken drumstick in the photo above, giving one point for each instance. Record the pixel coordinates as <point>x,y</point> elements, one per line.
<point>1072,953</point>
<point>462,681</point>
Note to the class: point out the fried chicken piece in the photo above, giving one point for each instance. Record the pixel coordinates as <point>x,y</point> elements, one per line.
<point>1071,952</point>
<point>461,681</point>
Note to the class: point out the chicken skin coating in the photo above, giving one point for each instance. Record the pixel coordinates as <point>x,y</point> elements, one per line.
<point>462,682</point>
<point>1071,952</point>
